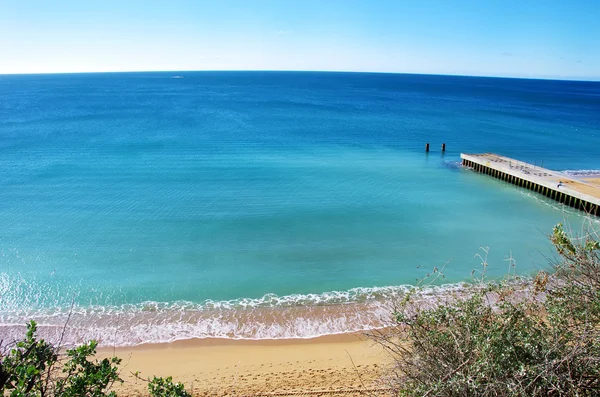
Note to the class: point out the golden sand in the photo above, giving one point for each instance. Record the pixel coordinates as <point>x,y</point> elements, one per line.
<point>593,180</point>
<point>216,367</point>
<point>590,188</point>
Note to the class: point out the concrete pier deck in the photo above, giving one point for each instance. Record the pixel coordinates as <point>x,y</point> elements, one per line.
<point>580,193</point>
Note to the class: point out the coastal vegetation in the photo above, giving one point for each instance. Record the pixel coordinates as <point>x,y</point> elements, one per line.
<point>538,337</point>
<point>36,368</point>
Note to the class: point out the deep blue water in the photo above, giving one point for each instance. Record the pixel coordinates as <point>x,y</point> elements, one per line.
<point>166,199</point>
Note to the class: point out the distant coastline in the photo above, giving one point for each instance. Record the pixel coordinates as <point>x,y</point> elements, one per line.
<point>181,73</point>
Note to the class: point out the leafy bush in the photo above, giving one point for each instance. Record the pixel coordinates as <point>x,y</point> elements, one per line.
<point>164,387</point>
<point>24,370</point>
<point>35,368</point>
<point>504,339</point>
<point>87,378</point>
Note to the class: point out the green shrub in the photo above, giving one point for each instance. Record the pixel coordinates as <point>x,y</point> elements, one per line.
<point>506,339</point>
<point>87,378</point>
<point>164,387</point>
<point>24,369</point>
<point>34,368</point>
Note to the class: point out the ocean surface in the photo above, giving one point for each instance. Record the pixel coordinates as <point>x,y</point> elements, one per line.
<point>161,206</point>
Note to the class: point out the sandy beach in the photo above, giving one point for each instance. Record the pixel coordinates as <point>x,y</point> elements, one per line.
<point>219,367</point>
<point>591,187</point>
<point>595,180</point>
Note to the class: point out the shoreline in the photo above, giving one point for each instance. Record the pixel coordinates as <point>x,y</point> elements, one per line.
<point>218,366</point>
<point>354,311</point>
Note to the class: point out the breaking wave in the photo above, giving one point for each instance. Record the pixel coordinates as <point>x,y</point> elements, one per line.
<point>268,317</point>
<point>582,172</point>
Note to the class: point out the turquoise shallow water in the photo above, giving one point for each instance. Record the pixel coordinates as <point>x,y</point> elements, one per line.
<point>266,204</point>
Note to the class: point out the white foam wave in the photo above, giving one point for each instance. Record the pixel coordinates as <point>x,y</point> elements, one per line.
<point>267,317</point>
<point>582,172</point>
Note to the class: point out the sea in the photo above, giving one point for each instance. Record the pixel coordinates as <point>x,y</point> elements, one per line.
<point>153,207</point>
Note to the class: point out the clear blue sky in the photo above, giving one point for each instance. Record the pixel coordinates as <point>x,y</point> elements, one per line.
<point>522,38</point>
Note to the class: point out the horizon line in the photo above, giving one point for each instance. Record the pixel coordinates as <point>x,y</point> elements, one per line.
<point>548,78</point>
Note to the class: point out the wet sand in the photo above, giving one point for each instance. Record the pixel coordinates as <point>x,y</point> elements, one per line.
<point>219,367</point>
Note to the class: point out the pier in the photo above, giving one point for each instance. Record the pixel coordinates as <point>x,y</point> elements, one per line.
<point>580,193</point>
